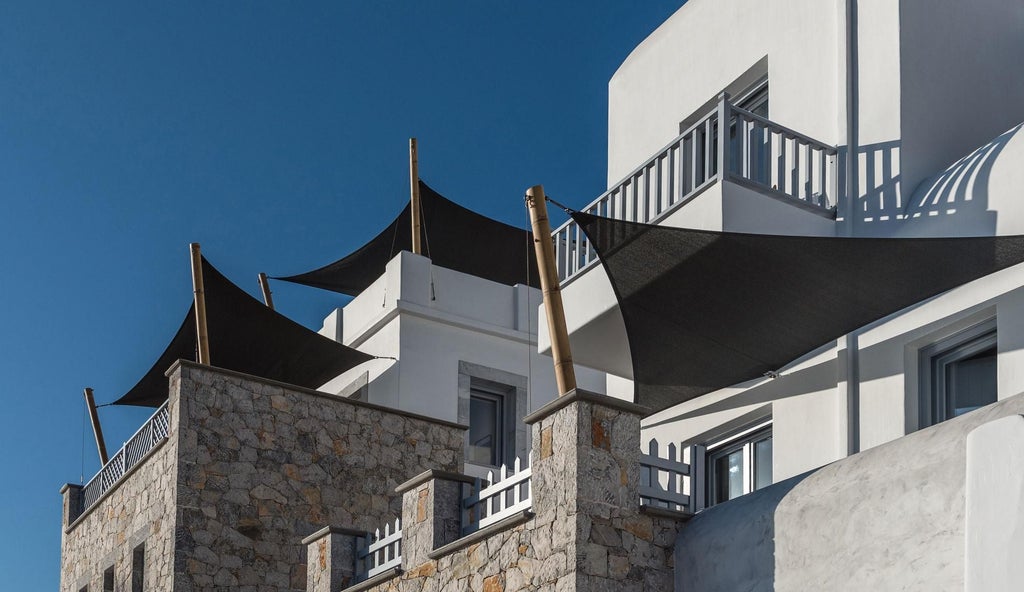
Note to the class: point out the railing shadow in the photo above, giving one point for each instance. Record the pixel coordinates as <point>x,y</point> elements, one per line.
<point>961,190</point>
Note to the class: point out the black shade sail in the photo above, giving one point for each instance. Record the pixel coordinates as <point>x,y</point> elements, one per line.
<point>246,336</point>
<point>455,237</point>
<point>706,310</point>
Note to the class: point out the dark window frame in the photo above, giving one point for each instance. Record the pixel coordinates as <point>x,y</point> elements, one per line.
<point>742,440</point>
<point>937,400</point>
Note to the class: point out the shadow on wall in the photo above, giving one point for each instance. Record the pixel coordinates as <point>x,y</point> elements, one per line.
<point>731,546</point>
<point>880,201</point>
<point>954,202</point>
<point>960,191</point>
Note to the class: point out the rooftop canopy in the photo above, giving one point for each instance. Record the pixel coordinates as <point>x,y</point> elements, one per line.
<point>705,310</point>
<point>454,237</point>
<point>246,336</point>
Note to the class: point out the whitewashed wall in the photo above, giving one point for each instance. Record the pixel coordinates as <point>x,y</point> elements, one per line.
<point>430,319</point>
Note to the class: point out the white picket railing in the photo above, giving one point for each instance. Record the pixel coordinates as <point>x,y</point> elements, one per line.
<point>683,168</point>
<point>759,152</point>
<point>498,499</point>
<point>664,479</point>
<point>376,553</point>
<point>142,441</point>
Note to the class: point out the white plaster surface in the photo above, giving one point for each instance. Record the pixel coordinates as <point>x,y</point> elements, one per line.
<point>995,506</point>
<point>890,518</point>
<point>429,319</point>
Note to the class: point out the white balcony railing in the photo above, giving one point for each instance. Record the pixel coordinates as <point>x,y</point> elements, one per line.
<point>760,153</point>
<point>499,499</point>
<point>151,433</point>
<point>377,553</point>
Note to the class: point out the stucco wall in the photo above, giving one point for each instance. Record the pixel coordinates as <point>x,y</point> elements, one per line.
<point>431,319</point>
<point>706,45</point>
<point>960,79</point>
<point>890,518</point>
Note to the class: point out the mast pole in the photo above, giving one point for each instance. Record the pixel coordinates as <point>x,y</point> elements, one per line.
<point>199,294</point>
<point>268,298</point>
<point>97,431</point>
<point>565,374</point>
<point>414,190</point>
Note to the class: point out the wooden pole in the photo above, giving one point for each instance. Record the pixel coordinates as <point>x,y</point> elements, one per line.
<point>565,374</point>
<point>268,298</point>
<point>200,299</point>
<point>414,190</point>
<point>97,431</point>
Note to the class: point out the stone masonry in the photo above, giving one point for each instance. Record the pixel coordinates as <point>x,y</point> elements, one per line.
<point>250,468</point>
<point>140,510</point>
<point>585,530</point>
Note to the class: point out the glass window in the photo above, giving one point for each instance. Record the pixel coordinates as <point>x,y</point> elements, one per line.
<point>959,374</point>
<point>485,428</point>
<point>740,463</point>
<point>139,568</point>
<point>108,579</point>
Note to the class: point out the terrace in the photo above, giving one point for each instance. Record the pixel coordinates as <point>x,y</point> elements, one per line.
<point>760,155</point>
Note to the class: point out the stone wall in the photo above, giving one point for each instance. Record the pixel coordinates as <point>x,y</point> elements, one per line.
<point>251,467</point>
<point>140,509</point>
<point>263,465</point>
<point>889,518</point>
<point>585,531</point>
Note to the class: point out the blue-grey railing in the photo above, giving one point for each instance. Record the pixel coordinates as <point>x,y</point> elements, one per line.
<point>759,153</point>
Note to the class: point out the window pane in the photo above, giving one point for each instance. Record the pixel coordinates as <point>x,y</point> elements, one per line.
<point>728,476</point>
<point>763,463</point>
<point>484,434</point>
<point>971,383</point>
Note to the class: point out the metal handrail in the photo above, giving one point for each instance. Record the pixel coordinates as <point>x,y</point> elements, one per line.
<point>152,432</point>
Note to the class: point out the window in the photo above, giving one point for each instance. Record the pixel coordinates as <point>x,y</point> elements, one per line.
<point>139,568</point>
<point>492,403</point>
<point>108,579</point>
<point>486,427</point>
<point>740,463</point>
<point>757,138</point>
<point>958,374</point>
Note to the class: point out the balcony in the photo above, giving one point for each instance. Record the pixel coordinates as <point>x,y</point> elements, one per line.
<point>152,433</point>
<point>760,155</point>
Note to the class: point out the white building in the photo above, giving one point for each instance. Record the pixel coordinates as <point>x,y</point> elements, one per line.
<point>859,118</point>
<point>452,346</point>
<point>886,459</point>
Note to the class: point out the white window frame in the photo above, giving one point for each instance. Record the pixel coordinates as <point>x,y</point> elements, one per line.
<point>933,396</point>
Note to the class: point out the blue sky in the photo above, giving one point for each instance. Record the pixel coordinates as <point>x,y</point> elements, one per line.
<point>275,134</point>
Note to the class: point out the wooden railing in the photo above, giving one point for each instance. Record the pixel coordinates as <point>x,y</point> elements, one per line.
<point>759,153</point>
<point>498,497</point>
<point>377,553</point>
<point>665,479</point>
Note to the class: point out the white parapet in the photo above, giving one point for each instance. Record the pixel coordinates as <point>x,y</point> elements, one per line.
<point>995,506</point>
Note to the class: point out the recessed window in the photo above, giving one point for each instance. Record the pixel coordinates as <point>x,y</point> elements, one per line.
<point>958,374</point>
<point>492,403</point>
<point>108,579</point>
<point>486,427</point>
<point>139,568</point>
<point>740,463</point>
